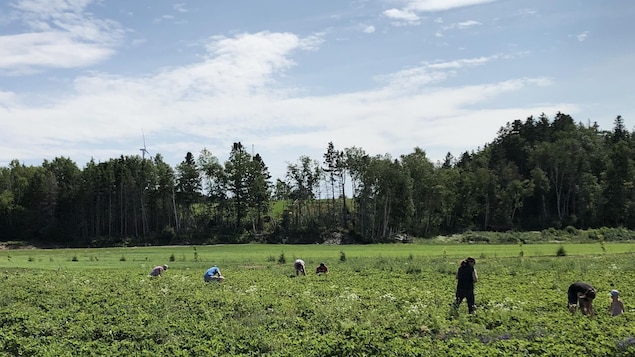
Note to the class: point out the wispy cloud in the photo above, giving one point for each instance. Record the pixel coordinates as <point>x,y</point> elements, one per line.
<point>369,29</point>
<point>466,24</point>
<point>180,7</point>
<point>441,5</point>
<point>402,17</point>
<point>409,14</point>
<point>57,33</point>
<point>582,36</point>
<point>233,94</point>
<point>431,72</point>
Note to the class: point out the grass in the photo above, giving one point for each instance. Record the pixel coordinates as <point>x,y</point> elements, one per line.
<point>380,300</point>
<point>189,257</point>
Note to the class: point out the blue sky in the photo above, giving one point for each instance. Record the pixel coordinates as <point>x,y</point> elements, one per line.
<point>85,78</point>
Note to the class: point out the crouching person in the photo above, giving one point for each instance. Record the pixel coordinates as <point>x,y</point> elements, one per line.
<point>213,274</point>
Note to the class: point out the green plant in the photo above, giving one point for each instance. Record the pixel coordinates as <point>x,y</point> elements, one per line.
<point>561,252</point>
<point>282,259</point>
<point>342,257</point>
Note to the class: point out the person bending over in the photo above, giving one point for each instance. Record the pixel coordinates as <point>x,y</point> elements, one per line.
<point>299,267</point>
<point>321,269</point>
<point>213,274</point>
<point>158,270</point>
<point>581,295</point>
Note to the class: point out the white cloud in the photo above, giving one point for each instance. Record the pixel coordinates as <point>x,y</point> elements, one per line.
<point>527,12</point>
<point>24,53</point>
<point>408,15</point>
<point>466,24</point>
<point>441,5</point>
<point>180,7</point>
<point>402,16</point>
<point>465,62</point>
<point>58,34</point>
<point>232,94</point>
<point>582,36</point>
<point>369,29</point>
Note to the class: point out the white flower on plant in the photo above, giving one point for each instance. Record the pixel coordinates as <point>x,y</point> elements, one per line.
<point>388,297</point>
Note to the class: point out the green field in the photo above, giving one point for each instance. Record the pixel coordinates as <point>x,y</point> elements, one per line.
<point>376,300</point>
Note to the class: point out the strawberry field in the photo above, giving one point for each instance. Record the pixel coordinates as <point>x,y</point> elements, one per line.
<point>376,300</point>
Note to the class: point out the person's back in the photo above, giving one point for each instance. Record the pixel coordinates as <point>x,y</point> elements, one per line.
<point>321,269</point>
<point>158,270</point>
<point>581,295</point>
<point>213,273</point>
<point>298,264</point>
<point>465,277</point>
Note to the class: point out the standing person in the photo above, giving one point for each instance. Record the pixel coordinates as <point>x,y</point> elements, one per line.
<point>213,274</point>
<point>465,278</point>
<point>617,305</point>
<point>321,269</point>
<point>299,267</point>
<point>158,270</point>
<point>582,295</point>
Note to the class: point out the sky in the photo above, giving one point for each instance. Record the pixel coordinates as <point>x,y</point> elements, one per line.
<point>95,79</point>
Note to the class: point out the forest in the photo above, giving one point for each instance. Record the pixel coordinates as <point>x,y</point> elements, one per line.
<point>536,174</point>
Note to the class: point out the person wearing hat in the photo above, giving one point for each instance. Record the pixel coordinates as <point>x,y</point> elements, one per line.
<point>617,305</point>
<point>581,295</point>
<point>213,274</point>
<point>465,278</point>
<point>321,269</point>
<point>158,270</point>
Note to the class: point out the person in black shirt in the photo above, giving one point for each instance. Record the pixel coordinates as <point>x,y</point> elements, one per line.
<point>582,295</point>
<point>321,269</point>
<point>465,278</point>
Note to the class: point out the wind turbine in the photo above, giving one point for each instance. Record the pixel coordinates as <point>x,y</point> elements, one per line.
<point>143,149</point>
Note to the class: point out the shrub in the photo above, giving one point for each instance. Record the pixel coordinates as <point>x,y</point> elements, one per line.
<point>282,259</point>
<point>342,257</point>
<point>561,252</point>
<point>74,259</point>
<point>123,258</point>
<point>172,257</point>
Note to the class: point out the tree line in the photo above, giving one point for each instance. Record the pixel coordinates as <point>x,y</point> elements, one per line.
<point>536,174</point>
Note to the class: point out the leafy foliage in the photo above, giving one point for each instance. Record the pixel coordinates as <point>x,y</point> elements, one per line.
<point>538,174</point>
<point>370,304</point>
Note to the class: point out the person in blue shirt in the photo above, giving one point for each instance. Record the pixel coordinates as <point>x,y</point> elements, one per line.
<point>213,274</point>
